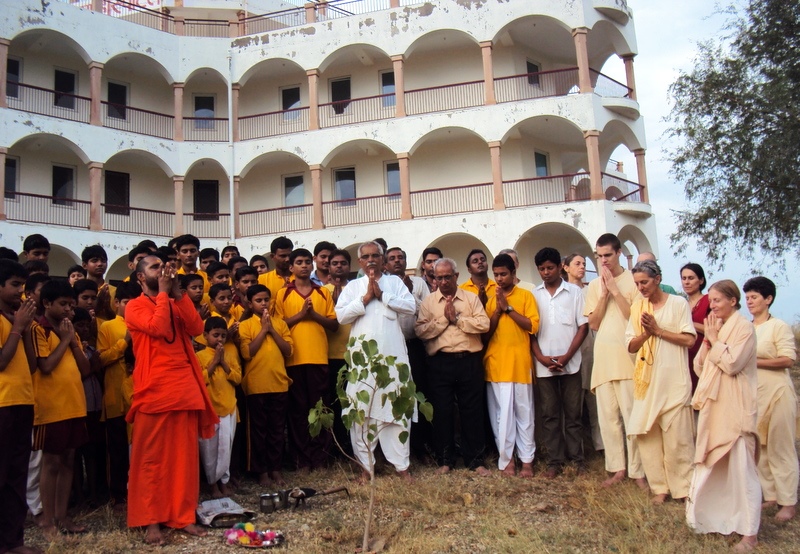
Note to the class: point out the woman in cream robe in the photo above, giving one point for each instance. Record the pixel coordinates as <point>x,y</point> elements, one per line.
<point>725,494</point>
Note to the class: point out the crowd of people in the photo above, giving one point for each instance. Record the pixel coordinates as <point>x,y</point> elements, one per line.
<point>205,361</point>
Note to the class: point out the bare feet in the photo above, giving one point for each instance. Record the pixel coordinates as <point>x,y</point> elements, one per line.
<point>768,504</point>
<point>50,532</point>
<point>153,535</point>
<point>264,480</point>
<point>785,513</point>
<point>38,519</point>
<point>223,488</point>
<point>550,473</point>
<point>216,492</point>
<point>405,476</point>
<point>618,477</point>
<point>482,471</point>
<point>747,544</point>
<point>641,482</point>
<point>194,530</point>
<point>69,527</point>
<point>658,499</point>
<point>443,470</point>
<point>510,470</point>
<point>527,470</point>
<point>25,550</point>
<point>277,476</point>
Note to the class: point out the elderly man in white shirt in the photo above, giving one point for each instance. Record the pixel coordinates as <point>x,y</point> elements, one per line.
<point>556,349</point>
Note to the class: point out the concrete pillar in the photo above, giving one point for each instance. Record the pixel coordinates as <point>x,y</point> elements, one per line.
<point>235,88</point>
<point>3,152</point>
<point>311,12</point>
<point>595,171</point>
<point>582,54</point>
<point>95,209</point>
<point>233,28</point>
<point>179,26</point>
<point>405,186</point>
<point>237,231</point>
<point>313,99</point>
<point>177,182</point>
<point>241,15</point>
<point>177,108</point>
<point>641,170</point>
<point>630,78</point>
<point>95,81</point>
<point>399,86</point>
<point>394,3</point>
<point>497,176</point>
<point>488,73</point>
<point>316,195</point>
<point>97,6</point>
<point>4,44</point>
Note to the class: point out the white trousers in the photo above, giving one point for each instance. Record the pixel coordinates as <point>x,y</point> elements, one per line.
<point>216,451</point>
<point>511,416</point>
<point>395,452</point>
<point>32,496</point>
<point>614,405</point>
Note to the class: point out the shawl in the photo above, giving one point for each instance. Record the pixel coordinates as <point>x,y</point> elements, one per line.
<point>643,370</point>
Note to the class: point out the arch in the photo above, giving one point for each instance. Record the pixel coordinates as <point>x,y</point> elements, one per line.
<point>433,40</point>
<point>541,35</point>
<point>119,269</point>
<point>214,165</point>
<point>351,54</point>
<point>556,129</point>
<point>35,141</point>
<point>604,40</point>
<point>215,74</point>
<point>445,133</point>
<point>634,235</point>
<point>564,238</point>
<point>46,38</point>
<point>148,156</point>
<point>137,63</point>
<point>269,157</point>
<point>457,246</point>
<point>614,134</point>
<point>276,68</point>
<point>61,259</point>
<point>370,147</point>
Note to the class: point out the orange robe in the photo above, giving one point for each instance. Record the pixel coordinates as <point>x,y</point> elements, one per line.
<point>170,409</point>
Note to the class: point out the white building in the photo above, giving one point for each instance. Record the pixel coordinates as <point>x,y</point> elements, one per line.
<point>449,123</point>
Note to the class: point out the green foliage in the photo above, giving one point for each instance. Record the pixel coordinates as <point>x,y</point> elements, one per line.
<point>736,118</point>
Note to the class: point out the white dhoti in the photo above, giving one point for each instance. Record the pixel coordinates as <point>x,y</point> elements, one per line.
<point>216,451</point>
<point>511,416</point>
<point>388,435</point>
<point>32,495</point>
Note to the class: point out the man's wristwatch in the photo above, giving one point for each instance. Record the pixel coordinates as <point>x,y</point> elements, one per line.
<point>509,309</point>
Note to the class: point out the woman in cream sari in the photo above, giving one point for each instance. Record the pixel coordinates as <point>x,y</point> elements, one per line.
<point>725,495</point>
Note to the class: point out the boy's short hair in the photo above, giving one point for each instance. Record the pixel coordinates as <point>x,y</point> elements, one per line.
<point>214,322</point>
<point>259,258</point>
<point>94,251</point>
<point>547,254</point>
<point>188,278</point>
<point>183,240</point>
<point>164,253</point>
<point>208,252</point>
<point>36,266</point>
<point>82,285</point>
<point>237,260</point>
<point>229,248</point>
<point>609,239</point>
<point>472,253</point>
<point>255,289</point>
<point>54,289</point>
<point>80,314</point>
<point>216,289</point>
<point>76,269</point>
<point>246,270</point>
<point>324,245</point>
<point>9,269</point>
<point>506,261</point>
<point>137,251</point>
<point>300,253</point>
<point>343,253</point>
<point>128,291</point>
<point>8,254</point>
<point>33,281</point>
<point>148,243</point>
<point>280,243</point>
<point>214,268</point>
<point>34,242</point>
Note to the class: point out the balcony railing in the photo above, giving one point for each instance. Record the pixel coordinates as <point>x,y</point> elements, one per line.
<point>356,211</point>
<point>541,84</point>
<point>546,190</point>
<point>357,110</point>
<point>608,87</point>
<point>138,14</point>
<point>207,225</point>
<point>276,220</point>
<point>445,97</point>
<point>135,120</point>
<point>205,129</point>
<point>452,200</point>
<point>125,219</point>
<point>43,101</point>
<point>273,123</point>
<point>206,28</point>
<point>292,17</point>
<point>50,210</point>
<point>621,190</point>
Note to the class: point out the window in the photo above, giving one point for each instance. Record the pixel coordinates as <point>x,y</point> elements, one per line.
<point>14,74</point>
<point>293,191</point>
<point>344,181</point>
<point>118,189</point>
<point>533,70</point>
<point>117,100</point>
<point>387,87</point>
<point>541,164</point>
<point>206,200</point>
<point>392,178</point>
<point>11,177</point>
<point>290,100</point>
<point>340,95</point>
<point>65,86</point>
<point>204,112</point>
<point>63,185</point>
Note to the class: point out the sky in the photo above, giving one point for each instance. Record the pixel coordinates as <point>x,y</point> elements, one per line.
<point>667,34</point>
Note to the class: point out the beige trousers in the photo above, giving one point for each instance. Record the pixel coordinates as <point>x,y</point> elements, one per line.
<point>614,404</point>
<point>668,454</point>
<point>777,467</point>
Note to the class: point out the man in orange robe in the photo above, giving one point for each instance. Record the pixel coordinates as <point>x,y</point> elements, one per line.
<point>171,407</point>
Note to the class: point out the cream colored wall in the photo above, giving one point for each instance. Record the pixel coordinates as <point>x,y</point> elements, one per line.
<point>262,93</point>
<point>150,188</point>
<point>364,80</point>
<point>147,92</point>
<point>214,87</point>
<point>38,68</point>
<point>370,173</point>
<point>460,162</point>
<point>262,187</point>
<point>36,168</point>
<point>430,69</point>
<point>209,172</point>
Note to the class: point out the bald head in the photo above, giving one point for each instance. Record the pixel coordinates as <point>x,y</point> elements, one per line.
<point>646,257</point>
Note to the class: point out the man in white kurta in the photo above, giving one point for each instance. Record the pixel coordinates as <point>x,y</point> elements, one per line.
<point>372,305</point>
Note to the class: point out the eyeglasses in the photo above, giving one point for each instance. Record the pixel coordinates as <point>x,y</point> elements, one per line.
<point>443,277</point>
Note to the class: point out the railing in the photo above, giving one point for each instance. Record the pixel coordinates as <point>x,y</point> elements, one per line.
<point>139,15</point>
<point>207,226</point>
<point>452,200</point>
<point>51,210</point>
<point>547,190</point>
<point>608,87</point>
<point>135,120</point>
<point>210,28</point>
<point>356,211</point>
<point>273,123</point>
<point>275,221</point>
<point>445,97</point>
<point>618,189</point>
<point>558,82</point>
<point>293,17</point>
<point>125,219</point>
<point>357,110</point>
<point>206,129</point>
<point>49,102</point>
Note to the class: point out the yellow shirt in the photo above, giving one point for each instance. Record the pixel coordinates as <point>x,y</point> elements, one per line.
<point>491,287</point>
<point>273,282</point>
<point>264,372</point>
<point>127,399</point>
<point>234,314</point>
<point>111,345</point>
<point>508,355</point>
<point>221,386</point>
<point>337,340</point>
<point>58,396</point>
<point>201,273</point>
<point>16,383</point>
<point>309,337</point>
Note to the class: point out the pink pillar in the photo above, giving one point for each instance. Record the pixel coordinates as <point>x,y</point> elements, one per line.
<point>235,106</point>
<point>97,6</point>
<point>399,86</point>
<point>488,73</point>
<point>241,16</point>
<point>629,75</point>
<point>641,170</point>
<point>313,99</point>
<point>177,132</point>
<point>177,182</point>
<point>497,176</point>
<point>394,3</point>
<point>237,231</point>
<point>4,44</point>
<point>179,26</point>
<point>311,12</point>
<point>595,171</point>
<point>316,194</point>
<point>582,54</point>
<point>95,209</point>
<point>95,80</point>
<point>405,186</point>
<point>3,152</point>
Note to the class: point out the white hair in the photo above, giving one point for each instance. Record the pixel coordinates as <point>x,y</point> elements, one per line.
<point>446,261</point>
<point>370,243</point>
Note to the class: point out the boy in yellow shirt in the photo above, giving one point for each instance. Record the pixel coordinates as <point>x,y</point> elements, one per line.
<point>222,372</point>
